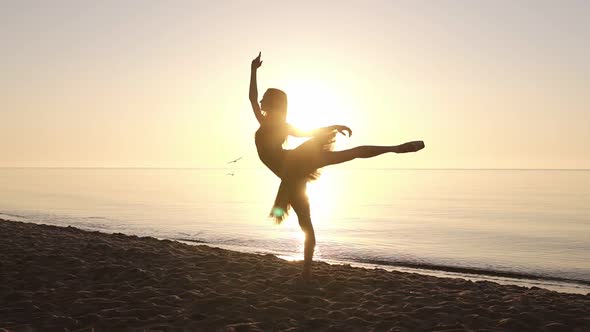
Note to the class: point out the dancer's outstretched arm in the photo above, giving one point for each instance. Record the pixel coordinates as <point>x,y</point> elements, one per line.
<point>256,63</point>
<point>319,131</point>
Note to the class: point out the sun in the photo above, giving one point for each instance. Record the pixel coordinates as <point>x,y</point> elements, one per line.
<point>314,104</point>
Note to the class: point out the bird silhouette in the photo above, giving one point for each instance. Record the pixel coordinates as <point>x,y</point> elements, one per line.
<point>235,160</point>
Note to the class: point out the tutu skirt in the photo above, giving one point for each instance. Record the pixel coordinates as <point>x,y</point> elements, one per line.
<point>298,167</point>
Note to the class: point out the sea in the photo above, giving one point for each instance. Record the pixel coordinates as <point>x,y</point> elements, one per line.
<point>522,227</point>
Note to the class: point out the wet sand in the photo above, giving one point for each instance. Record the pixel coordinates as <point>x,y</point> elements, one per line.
<point>66,279</point>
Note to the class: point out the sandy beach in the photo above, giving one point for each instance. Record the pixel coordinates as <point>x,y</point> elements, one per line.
<point>66,279</point>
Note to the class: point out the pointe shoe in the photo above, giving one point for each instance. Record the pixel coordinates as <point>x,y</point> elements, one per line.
<point>410,147</point>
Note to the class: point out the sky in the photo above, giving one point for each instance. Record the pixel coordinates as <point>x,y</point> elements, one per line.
<point>486,84</point>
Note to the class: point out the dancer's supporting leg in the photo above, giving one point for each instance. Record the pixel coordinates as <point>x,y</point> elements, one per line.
<point>368,151</point>
<point>300,204</point>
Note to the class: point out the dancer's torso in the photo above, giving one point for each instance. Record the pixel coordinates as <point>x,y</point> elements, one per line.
<point>269,140</point>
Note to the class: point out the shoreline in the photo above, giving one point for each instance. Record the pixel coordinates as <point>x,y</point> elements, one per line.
<point>55,277</point>
<point>558,284</point>
<point>505,277</point>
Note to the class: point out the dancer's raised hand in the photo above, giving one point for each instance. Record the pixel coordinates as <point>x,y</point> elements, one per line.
<point>256,63</point>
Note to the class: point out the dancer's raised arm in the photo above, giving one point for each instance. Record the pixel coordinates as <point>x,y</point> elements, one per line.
<point>308,133</point>
<point>256,63</point>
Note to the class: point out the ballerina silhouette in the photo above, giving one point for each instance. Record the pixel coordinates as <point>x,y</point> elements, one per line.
<point>298,166</point>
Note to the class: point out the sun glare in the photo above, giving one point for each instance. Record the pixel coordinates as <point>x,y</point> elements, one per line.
<point>320,194</point>
<point>314,104</point>
<point>323,196</point>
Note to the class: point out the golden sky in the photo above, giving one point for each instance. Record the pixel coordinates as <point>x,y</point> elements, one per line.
<point>486,84</point>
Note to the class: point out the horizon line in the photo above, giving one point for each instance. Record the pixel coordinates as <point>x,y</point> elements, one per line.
<point>353,168</point>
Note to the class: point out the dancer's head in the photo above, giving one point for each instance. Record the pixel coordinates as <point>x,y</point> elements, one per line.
<point>274,102</point>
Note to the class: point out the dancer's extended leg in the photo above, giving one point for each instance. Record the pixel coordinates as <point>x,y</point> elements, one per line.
<point>368,151</point>
<point>300,204</point>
